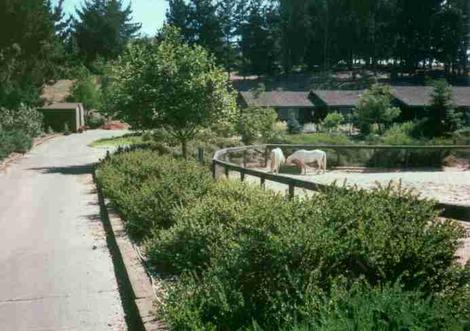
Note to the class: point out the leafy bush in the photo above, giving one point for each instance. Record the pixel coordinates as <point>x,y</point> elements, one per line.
<point>267,260</point>
<point>146,188</point>
<point>382,308</point>
<point>86,90</point>
<point>400,134</point>
<point>95,120</point>
<point>375,108</point>
<point>207,227</point>
<point>293,125</point>
<point>256,123</point>
<point>24,119</point>
<point>332,121</point>
<point>14,141</point>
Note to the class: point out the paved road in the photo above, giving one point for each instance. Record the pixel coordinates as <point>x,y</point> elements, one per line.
<point>56,272</point>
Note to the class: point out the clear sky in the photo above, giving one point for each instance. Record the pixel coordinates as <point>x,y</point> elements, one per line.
<point>151,13</point>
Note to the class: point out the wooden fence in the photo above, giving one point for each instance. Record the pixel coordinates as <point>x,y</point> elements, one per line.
<point>221,160</point>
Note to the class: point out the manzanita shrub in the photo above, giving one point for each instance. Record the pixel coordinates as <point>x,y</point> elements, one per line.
<point>249,259</point>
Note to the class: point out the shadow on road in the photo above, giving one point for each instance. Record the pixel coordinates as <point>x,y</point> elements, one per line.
<point>69,170</point>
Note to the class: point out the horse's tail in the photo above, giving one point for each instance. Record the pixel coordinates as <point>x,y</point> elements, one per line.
<point>324,162</point>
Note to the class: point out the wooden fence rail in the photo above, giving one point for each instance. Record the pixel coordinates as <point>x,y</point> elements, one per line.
<point>457,212</point>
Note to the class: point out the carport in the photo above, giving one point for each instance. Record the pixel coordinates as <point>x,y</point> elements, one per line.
<point>57,115</point>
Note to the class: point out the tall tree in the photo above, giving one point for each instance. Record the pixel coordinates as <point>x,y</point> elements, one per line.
<point>29,49</point>
<point>103,29</point>
<point>257,43</point>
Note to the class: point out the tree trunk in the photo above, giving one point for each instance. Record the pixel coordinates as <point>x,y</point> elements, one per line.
<point>184,149</point>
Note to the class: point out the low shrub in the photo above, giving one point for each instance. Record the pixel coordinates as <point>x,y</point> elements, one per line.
<point>381,308</point>
<point>267,260</point>
<point>146,188</point>
<point>26,120</point>
<point>256,123</point>
<point>210,226</point>
<point>14,141</point>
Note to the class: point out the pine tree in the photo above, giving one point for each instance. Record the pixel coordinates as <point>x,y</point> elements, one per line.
<point>28,50</point>
<point>103,29</point>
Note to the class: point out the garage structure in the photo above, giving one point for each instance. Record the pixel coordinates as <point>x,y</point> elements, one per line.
<point>57,115</point>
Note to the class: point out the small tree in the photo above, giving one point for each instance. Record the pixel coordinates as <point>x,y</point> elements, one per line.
<point>443,118</point>
<point>293,125</point>
<point>169,84</point>
<point>375,107</point>
<point>332,121</point>
<point>257,123</point>
<point>86,91</point>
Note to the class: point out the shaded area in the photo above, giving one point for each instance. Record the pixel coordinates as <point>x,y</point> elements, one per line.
<point>132,316</point>
<point>69,170</point>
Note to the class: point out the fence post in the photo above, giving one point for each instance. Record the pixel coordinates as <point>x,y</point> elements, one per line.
<point>263,182</point>
<point>200,155</point>
<point>226,172</point>
<point>266,156</point>
<point>242,175</point>
<point>214,168</point>
<point>244,158</point>
<point>291,190</point>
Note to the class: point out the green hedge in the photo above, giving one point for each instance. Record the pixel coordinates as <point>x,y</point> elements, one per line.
<point>248,259</point>
<point>14,141</point>
<point>17,130</point>
<point>147,188</point>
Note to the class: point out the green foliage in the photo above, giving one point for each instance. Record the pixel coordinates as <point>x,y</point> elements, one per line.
<point>172,85</point>
<point>95,120</point>
<point>442,118</point>
<point>385,308</point>
<point>249,259</point>
<point>103,29</point>
<point>14,141</point>
<point>147,188</point>
<point>332,121</point>
<point>293,125</point>
<point>400,134</point>
<point>24,119</point>
<point>375,107</point>
<point>314,139</point>
<point>30,51</point>
<point>257,257</point>
<point>86,91</point>
<point>257,123</point>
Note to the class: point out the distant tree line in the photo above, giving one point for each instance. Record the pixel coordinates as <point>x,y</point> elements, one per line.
<point>266,37</point>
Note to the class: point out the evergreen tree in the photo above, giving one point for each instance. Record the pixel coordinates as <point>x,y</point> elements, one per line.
<point>103,29</point>
<point>29,50</point>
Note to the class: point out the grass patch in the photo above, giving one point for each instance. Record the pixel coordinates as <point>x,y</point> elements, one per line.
<point>126,140</point>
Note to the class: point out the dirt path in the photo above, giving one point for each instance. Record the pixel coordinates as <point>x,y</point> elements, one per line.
<point>56,271</point>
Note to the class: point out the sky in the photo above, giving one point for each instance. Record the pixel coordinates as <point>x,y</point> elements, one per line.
<point>151,13</point>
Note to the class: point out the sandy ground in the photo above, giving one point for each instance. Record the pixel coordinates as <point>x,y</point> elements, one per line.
<point>56,270</point>
<point>447,186</point>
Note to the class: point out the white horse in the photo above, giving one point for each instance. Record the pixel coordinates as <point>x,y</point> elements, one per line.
<point>277,159</point>
<point>303,157</point>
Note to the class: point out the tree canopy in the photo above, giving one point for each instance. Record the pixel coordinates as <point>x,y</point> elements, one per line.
<point>172,85</point>
<point>103,29</point>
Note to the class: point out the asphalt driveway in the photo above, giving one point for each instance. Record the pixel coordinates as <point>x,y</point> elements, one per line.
<point>56,272</point>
